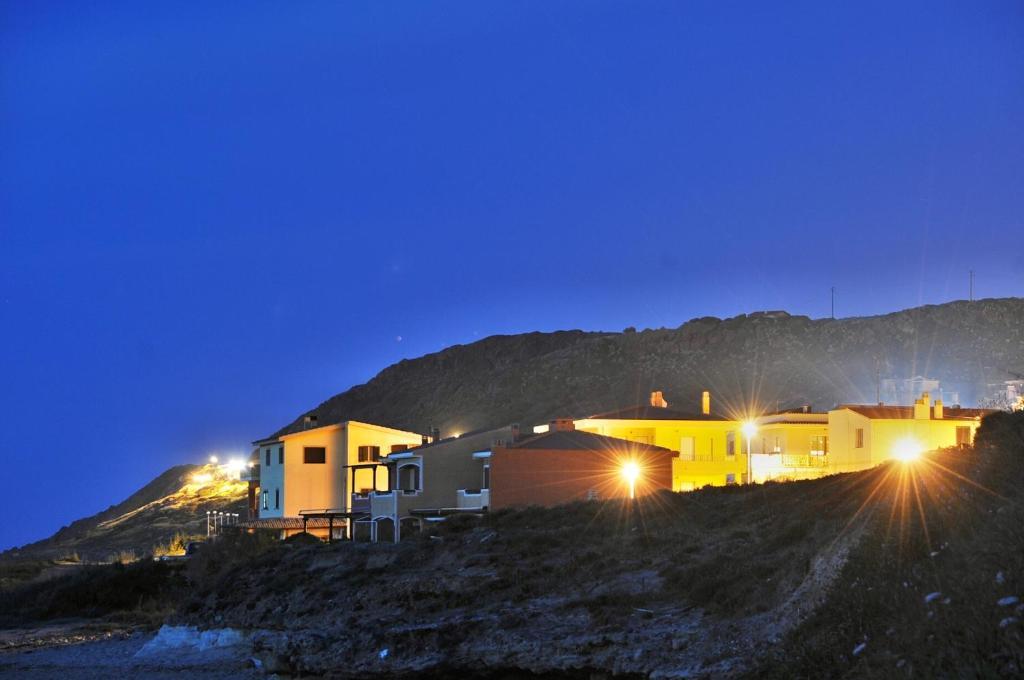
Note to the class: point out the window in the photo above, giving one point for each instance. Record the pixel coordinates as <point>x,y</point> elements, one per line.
<point>265,504</point>
<point>730,444</point>
<point>368,454</point>
<point>819,445</point>
<point>277,499</point>
<point>686,448</point>
<point>963,435</point>
<point>858,438</point>
<point>268,456</point>
<point>409,477</point>
<point>730,478</point>
<point>487,477</point>
<point>280,455</point>
<point>314,455</point>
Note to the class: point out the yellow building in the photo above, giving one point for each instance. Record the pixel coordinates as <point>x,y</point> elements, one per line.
<point>710,446</point>
<point>790,445</point>
<point>319,468</point>
<point>862,436</point>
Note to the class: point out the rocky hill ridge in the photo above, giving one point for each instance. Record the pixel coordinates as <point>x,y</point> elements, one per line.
<point>761,360</point>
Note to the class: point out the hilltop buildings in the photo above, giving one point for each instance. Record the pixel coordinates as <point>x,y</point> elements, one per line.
<point>364,481</point>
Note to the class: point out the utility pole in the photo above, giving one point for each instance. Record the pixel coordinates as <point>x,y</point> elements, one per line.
<point>833,302</point>
<point>972,286</point>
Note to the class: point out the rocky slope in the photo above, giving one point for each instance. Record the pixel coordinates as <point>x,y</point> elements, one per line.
<point>766,359</point>
<point>174,503</point>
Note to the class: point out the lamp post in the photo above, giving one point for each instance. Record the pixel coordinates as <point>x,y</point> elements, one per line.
<point>631,471</point>
<point>749,429</point>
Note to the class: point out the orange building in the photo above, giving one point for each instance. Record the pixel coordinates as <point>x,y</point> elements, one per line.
<point>566,464</point>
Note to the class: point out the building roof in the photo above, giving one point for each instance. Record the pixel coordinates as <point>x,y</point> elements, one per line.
<point>577,440</point>
<point>648,412</point>
<point>882,412</point>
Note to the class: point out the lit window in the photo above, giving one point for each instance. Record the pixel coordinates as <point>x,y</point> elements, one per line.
<point>265,505</point>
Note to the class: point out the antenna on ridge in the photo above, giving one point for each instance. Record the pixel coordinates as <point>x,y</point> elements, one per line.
<point>971,298</point>
<point>833,302</point>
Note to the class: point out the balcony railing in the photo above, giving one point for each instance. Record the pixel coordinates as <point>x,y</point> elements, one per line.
<point>697,457</point>
<point>813,460</point>
<point>473,498</point>
<point>383,503</point>
<point>361,502</point>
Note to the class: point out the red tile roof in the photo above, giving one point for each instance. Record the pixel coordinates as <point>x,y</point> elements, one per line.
<point>876,412</point>
<point>577,440</point>
<point>647,412</point>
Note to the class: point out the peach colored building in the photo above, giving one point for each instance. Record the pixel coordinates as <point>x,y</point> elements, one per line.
<point>565,464</point>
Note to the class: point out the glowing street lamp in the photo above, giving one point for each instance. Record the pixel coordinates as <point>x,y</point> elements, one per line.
<point>631,471</point>
<point>907,449</point>
<point>213,459</point>
<point>749,429</point>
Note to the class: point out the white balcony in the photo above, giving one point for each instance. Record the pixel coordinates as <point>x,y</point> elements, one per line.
<point>384,503</point>
<point>473,499</point>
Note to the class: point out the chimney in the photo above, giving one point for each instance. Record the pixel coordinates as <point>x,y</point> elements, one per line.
<point>705,403</point>
<point>658,400</point>
<point>921,408</point>
<point>937,412</point>
<point>562,425</point>
<point>435,434</point>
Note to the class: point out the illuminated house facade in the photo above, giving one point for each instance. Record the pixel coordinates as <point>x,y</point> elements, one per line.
<point>862,436</point>
<point>711,446</point>
<point>565,464</point>
<point>316,469</point>
<point>430,482</point>
<point>386,483</point>
<point>790,445</point>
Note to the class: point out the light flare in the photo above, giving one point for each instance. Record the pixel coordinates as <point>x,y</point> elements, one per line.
<point>907,449</point>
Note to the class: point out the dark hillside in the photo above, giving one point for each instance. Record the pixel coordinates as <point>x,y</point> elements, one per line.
<point>773,359</point>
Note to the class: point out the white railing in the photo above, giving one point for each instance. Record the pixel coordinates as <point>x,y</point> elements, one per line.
<point>473,498</point>
<point>383,503</point>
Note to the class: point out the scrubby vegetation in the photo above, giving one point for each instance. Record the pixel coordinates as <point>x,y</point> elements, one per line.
<point>141,592</point>
<point>935,588</point>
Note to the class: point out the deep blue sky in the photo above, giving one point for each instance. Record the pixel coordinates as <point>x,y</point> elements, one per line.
<point>215,216</point>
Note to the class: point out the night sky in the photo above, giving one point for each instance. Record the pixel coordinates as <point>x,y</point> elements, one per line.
<point>213,217</point>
